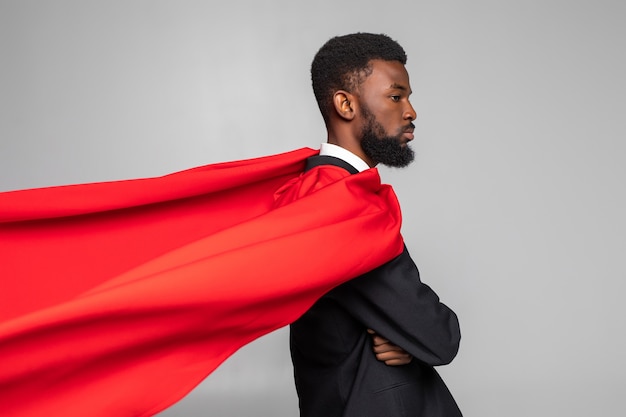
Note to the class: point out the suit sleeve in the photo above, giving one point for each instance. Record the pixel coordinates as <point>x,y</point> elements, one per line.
<point>393,301</point>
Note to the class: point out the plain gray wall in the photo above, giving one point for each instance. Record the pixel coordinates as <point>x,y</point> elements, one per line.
<point>514,209</point>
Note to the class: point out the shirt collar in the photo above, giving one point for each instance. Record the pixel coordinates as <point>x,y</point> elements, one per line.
<point>345,155</point>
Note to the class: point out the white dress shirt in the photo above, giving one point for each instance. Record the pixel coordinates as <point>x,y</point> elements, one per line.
<point>345,155</point>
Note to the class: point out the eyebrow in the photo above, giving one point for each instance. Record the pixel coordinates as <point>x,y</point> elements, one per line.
<point>396,86</point>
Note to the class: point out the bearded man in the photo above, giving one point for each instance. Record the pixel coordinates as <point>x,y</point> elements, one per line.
<point>368,347</point>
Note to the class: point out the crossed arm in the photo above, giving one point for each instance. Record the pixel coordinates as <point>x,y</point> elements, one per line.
<point>413,322</point>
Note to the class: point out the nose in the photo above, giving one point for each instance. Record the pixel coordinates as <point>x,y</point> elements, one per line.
<point>409,112</point>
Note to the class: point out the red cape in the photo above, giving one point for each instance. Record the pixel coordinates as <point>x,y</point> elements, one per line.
<point>118,298</point>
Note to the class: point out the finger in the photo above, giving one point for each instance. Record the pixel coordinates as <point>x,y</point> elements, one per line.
<point>398,362</point>
<point>379,340</point>
<point>385,356</point>
<point>394,357</point>
<point>387,347</point>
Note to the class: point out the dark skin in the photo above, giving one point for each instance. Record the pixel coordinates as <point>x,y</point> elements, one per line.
<point>386,351</point>
<point>385,93</point>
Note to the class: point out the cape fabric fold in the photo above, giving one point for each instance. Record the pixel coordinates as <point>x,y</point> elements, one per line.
<point>118,298</point>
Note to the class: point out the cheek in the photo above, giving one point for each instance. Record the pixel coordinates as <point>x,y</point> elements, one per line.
<point>389,122</point>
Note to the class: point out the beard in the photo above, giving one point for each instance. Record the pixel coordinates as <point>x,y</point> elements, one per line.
<point>380,148</point>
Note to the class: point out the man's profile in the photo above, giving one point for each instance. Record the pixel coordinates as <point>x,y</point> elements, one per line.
<point>343,349</point>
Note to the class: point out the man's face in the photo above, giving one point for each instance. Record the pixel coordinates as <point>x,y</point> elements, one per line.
<point>387,114</point>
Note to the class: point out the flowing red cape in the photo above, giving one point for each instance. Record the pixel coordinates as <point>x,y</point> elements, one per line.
<point>118,298</point>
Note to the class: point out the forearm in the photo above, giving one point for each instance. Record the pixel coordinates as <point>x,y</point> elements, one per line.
<point>393,302</point>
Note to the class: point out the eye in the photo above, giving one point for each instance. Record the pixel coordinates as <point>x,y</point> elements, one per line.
<point>395,98</point>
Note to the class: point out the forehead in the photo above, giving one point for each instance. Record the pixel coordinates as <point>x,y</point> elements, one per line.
<point>386,75</point>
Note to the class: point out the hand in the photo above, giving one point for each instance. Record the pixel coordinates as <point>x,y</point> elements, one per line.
<point>387,352</point>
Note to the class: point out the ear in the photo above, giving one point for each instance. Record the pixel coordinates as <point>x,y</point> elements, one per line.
<point>344,104</point>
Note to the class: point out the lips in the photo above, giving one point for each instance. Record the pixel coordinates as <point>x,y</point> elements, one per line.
<point>408,134</point>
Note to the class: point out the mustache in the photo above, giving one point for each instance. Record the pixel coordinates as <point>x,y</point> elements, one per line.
<point>409,128</point>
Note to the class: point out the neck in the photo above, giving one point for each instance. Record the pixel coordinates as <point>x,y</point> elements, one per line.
<point>351,144</point>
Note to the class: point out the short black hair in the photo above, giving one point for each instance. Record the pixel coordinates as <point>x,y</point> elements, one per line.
<point>343,62</point>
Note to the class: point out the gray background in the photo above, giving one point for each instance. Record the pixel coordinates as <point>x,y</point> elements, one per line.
<point>514,210</point>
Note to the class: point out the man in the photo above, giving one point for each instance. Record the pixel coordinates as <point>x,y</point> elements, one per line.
<point>138,289</point>
<point>344,348</point>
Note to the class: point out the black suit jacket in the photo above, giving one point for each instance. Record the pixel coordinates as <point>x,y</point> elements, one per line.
<point>336,371</point>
